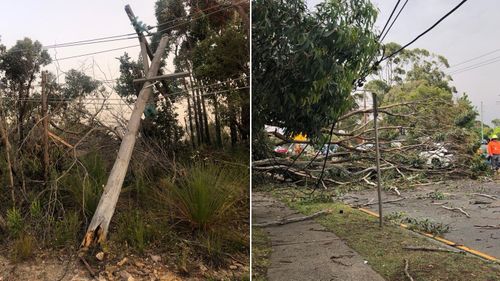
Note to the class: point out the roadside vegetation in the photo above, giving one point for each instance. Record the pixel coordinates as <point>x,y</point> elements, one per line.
<point>185,197</point>
<point>261,249</point>
<point>384,248</point>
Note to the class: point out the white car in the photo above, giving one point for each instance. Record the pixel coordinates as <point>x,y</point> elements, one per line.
<point>439,158</point>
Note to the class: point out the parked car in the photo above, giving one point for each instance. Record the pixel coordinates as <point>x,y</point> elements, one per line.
<point>438,158</point>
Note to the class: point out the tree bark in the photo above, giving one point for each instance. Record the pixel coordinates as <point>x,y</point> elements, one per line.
<point>5,138</point>
<point>205,116</point>
<point>98,228</point>
<point>197,109</point>
<point>190,117</point>
<point>218,132</point>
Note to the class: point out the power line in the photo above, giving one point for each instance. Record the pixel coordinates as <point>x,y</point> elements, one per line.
<point>118,37</point>
<point>475,58</point>
<point>397,16</point>
<point>474,66</point>
<point>88,43</point>
<point>94,102</point>
<point>100,52</point>
<point>89,40</point>
<point>169,28</point>
<point>201,16</point>
<point>426,31</point>
<point>390,17</point>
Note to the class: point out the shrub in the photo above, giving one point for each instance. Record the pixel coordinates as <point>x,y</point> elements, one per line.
<point>15,222</point>
<point>66,230</point>
<point>84,186</point>
<point>23,247</point>
<point>133,229</point>
<point>204,197</point>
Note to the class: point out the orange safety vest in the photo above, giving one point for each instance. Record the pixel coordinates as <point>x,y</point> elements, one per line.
<point>494,147</point>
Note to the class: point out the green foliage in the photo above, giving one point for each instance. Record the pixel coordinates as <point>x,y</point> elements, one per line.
<point>428,226</point>
<point>395,216</point>
<point>83,185</point>
<point>133,230</point>
<point>23,247</point>
<point>479,166</point>
<point>304,62</point>
<point>78,85</point>
<point>222,56</point>
<point>22,60</point>
<point>66,230</point>
<point>36,209</point>
<point>205,195</point>
<point>129,70</point>
<point>437,195</point>
<point>213,246</point>
<point>261,145</point>
<point>15,222</point>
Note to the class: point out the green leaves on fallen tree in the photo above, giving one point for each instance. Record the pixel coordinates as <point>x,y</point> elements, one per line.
<point>306,63</point>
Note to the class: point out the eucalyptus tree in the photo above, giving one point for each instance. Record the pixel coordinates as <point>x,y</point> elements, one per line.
<point>21,65</point>
<point>305,63</point>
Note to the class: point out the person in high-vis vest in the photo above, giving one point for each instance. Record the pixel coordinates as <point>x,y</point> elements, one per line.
<point>494,152</point>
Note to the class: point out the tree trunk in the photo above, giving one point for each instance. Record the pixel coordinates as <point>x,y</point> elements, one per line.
<point>198,114</point>
<point>5,138</point>
<point>190,117</point>
<point>205,117</point>
<point>98,228</point>
<point>218,133</point>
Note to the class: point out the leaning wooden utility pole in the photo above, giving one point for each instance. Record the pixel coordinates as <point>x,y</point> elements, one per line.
<point>98,228</point>
<point>45,137</point>
<point>377,153</point>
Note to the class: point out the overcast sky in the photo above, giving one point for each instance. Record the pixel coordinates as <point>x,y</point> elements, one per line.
<point>60,21</point>
<point>471,31</point>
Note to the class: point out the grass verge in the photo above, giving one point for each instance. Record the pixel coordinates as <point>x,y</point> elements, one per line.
<point>261,249</point>
<point>383,248</point>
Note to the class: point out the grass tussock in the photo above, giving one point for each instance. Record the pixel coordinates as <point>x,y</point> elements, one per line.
<point>205,196</point>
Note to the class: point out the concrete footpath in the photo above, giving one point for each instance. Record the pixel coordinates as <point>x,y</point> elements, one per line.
<point>306,250</point>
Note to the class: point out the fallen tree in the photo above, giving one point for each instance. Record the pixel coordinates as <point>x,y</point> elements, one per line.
<point>410,151</point>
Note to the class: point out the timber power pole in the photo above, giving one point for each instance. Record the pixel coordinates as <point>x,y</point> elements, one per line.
<point>482,129</point>
<point>45,123</point>
<point>98,228</point>
<point>377,153</point>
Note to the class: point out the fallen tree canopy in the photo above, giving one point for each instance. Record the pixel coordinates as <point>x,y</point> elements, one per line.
<point>410,150</point>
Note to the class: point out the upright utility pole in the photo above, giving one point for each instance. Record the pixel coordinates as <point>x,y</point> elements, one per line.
<point>377,152</point>
<point>98,228</point>
<point>482,131</point>
<point>45,137</point>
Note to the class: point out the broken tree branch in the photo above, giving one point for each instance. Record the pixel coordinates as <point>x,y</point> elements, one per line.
<point>427,249</point>
<point>407,265</point>
<point>454,209</point>
<point>384,202</point>
<point>493,197</point>
<point>292,220</point>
